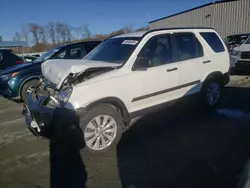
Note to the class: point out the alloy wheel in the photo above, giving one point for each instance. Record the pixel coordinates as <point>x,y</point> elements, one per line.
<point>100,132</point>
<point>213,93</point>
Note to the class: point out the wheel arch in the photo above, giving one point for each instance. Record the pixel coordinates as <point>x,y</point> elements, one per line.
<point>115,101</point>
<point>217,74</point>
<point>25,81</point>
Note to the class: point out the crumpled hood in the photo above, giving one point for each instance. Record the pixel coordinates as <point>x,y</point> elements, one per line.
<point>57,70</point>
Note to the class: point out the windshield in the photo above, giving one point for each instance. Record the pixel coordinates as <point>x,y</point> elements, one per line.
<point>248,41</point>
<point>47,55</point>
<point>114,50</point>
<point>237,39</point>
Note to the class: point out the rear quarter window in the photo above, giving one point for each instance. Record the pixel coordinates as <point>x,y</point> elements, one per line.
<point>213,41</point>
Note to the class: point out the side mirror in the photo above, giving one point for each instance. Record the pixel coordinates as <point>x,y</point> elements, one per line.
<point>141,63</point>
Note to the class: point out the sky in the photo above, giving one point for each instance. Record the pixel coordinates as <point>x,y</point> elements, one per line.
<point>102,16</point>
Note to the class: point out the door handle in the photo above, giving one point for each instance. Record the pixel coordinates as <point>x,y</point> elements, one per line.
<point>208,61</point>
<point>173,69</point>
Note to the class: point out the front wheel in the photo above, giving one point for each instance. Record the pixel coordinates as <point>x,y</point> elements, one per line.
<point>211,92</point>
<point>27,88</point>
<point>102,128</point>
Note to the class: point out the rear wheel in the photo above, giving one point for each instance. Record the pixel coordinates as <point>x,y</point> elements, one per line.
<point>211,92</point>
<point>102,128</point>
<point>27,88</point>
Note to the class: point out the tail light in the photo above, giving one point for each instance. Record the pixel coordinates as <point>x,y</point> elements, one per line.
<point>19,61</point>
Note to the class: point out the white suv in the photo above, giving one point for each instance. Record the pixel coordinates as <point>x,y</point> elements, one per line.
<point>127,76</point>
<point>240,56</point>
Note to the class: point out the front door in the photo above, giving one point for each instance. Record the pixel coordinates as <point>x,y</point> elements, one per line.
<point>154,77</point>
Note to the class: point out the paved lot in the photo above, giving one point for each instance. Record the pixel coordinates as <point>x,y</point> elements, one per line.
<point>178,147</point>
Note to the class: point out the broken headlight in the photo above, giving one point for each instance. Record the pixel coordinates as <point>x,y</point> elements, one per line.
<point>65,94</point>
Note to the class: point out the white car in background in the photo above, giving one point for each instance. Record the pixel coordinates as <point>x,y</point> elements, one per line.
<point>125,77</point>
<point>240,56</point>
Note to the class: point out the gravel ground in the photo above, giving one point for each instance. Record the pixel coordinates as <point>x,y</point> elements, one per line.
<point>178,147</point>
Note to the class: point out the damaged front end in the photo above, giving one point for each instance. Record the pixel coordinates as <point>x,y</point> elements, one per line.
<point>46,105</point>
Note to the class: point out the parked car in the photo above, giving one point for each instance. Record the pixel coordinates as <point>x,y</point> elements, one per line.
<point>240,57</point>
<point>17,81</point>
<point>233,41</point>
<point>8,59</point>
<point>125,77</point>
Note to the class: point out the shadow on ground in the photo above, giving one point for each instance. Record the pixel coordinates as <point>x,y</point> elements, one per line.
<point>66,165</point>
<point>186,147</point>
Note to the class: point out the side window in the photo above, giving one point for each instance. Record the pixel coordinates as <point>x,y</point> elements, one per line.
<point>213,40</point>
<point>91,47</point>
<point>61,55</point>
<point>158,51</point>
<point>188,46</point>
<point>77,53</point>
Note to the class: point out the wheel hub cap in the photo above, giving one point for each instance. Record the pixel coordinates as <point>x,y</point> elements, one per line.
<point>100,132</point>
<point>213,93</point>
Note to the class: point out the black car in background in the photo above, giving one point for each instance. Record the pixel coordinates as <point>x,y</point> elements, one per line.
<point>233,41</point>
<point>8,59</point>
<point>18,81</point>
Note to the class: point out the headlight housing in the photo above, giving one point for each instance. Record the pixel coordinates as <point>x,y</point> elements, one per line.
<point>8,76</point>
<point>64,95</point>
<point>234,53</point>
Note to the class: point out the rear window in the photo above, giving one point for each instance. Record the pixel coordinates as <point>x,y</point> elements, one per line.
<point>214,41</point>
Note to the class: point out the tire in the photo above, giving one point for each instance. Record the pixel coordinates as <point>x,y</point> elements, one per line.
<point>211,92</point>
<point>26,87</point>
<point>102,112</point>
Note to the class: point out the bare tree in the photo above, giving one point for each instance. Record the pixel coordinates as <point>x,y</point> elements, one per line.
<point>51,28</point>
<point>143,28</point>
<point>128,29</point>
<point>63,32</point>
<point>34,29</point>
<point>68,31</point>
<point>86,31</point>
<point>25,33</point>
<point>42,34</point>
<point>78,32</point>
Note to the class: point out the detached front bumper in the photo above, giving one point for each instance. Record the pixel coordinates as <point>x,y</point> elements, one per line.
<point>38,117</point>
<point>46,119</point>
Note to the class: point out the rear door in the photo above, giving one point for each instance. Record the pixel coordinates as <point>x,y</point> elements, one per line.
<point>217,57</point>
<point>190,57</point>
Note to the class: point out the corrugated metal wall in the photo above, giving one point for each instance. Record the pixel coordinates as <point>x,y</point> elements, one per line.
<point>227,18</point>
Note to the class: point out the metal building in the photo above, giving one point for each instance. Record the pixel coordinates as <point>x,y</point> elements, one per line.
<point>227,17</point>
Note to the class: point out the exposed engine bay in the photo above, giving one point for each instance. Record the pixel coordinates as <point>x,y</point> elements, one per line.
<point>47,89</point>
<point>86,75</point>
